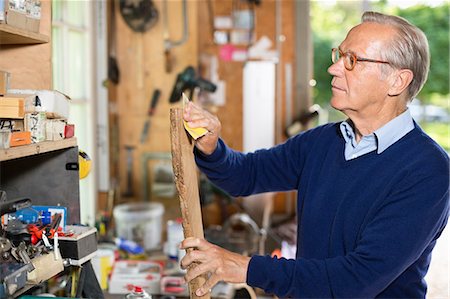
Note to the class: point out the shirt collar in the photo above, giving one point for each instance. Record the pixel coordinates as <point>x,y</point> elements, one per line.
<point>394,130</point>
<point>387,135</point>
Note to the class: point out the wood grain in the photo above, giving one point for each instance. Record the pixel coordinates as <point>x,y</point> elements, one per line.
<point>27,55</point>
<point>186,181</point>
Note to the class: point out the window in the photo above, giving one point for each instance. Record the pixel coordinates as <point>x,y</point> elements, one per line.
<point>73,69</point>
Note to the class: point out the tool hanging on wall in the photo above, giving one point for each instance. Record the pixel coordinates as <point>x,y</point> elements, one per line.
<point>302,120</point>
<point>168,43</point>
<point>150,112</point>
<point>85,163</point>
<point>187,80</point>
<point>129,188</point>
<point>113,67</point>
<point>140,15</point>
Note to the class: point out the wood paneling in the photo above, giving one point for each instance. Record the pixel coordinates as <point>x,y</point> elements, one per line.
<point>269,15</point>
<point>141,62</point>
<point>30,65</point>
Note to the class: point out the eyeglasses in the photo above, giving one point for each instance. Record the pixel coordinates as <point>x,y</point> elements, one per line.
<point>350,59</point>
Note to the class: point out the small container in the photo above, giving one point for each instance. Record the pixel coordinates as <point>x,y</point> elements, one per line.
<point>5,136</point>
<point>138,292</point>
<point>140,222</point>
<point>174,237</point>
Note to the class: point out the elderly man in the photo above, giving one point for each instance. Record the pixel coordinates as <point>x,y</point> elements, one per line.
<point>373,191</point>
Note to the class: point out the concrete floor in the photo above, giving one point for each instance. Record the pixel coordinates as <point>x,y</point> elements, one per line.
<point>438,276</point>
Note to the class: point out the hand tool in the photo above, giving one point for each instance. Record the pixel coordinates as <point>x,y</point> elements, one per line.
<point>129,191</point>
<point>168,43</point>
<point>150,112</point>
<point>12,205</point>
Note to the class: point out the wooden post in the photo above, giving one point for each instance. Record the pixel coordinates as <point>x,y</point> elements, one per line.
<point>186,181</point>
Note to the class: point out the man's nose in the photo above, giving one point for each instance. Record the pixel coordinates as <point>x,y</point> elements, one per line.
<point>337,68</point>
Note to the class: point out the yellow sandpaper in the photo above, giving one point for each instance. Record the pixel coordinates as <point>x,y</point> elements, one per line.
<point>194,132</point>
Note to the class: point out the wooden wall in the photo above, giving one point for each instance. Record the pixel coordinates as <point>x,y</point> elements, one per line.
<point>141,62</point>
<point>140,58</point>
<point>269,14</point>
<point>30,65</point>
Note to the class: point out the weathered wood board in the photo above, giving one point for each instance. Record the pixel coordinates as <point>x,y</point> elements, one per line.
<point>186,181</point>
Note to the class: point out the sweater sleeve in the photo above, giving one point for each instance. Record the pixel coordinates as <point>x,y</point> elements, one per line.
<point>404,227</point>
<point>239,174</point>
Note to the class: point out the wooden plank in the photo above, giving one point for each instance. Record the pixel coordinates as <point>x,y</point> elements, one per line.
<point>10,35</point>
<point>186,181</point>
<point>36,148</point>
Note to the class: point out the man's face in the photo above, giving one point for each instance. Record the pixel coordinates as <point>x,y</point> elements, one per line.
<point>362,91</point>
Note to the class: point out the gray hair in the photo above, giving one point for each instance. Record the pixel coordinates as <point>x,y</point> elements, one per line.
<point>408,50</point>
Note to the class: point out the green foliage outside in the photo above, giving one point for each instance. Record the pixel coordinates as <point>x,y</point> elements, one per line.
<point>440,132</point>
<point>330,23</point>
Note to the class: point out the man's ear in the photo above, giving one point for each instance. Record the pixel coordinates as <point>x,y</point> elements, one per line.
<point>401,80</point>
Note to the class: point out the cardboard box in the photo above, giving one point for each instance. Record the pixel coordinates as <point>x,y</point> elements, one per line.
<point>15,106</point>
<point>54,103</point>
<point>15,13</point>
<point>5,137</point>
<point>45,267</point>
<point>35,123</point>
<point>11,108</point>
<point>2,11</point>
<point>55,129</point>
<point>12,125</point>
<point>20,138</point>
<point>126,274</point>
<point>4,79</point>
<point>33,11</point>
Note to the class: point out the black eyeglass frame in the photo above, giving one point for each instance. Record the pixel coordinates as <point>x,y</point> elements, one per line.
<point>353,59</point>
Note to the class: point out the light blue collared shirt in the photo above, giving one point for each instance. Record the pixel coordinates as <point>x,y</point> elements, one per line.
<point>379,140</point>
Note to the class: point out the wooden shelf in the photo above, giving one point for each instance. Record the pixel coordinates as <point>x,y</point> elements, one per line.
<point>10,35</point>
<point>36,148</point>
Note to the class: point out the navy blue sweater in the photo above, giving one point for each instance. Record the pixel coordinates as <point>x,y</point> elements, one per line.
<point>366,227</point>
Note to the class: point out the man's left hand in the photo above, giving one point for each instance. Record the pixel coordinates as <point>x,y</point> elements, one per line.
<point>223,265</point>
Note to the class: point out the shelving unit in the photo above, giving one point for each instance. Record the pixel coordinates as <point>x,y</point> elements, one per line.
<point>45,172</point>
<point>13,36</point>
<point>36,148</point>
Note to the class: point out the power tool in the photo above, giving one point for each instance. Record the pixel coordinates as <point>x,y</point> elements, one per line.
<point>187,80</point>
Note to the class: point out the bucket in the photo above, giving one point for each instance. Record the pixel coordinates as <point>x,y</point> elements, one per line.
<point>140,222</point>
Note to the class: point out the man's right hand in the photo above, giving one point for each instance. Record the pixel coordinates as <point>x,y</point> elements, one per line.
<point>197,117</point>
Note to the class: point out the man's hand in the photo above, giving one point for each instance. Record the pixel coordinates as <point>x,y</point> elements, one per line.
<point>197,117</point>
<point>221,264</point>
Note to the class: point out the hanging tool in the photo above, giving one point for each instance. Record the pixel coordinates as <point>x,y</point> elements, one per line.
<point>113,67</point>
<point>187,80</point>
<point>168,43</point>
<point>140,15</point>
<point>129,191</point>
<point>150,112</point>
<point>302,120</point>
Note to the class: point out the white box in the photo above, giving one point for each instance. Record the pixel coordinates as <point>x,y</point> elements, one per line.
<point>54,103</point>
<point>35,123</point>
<point>54,129</point>
<point>127,274</point>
